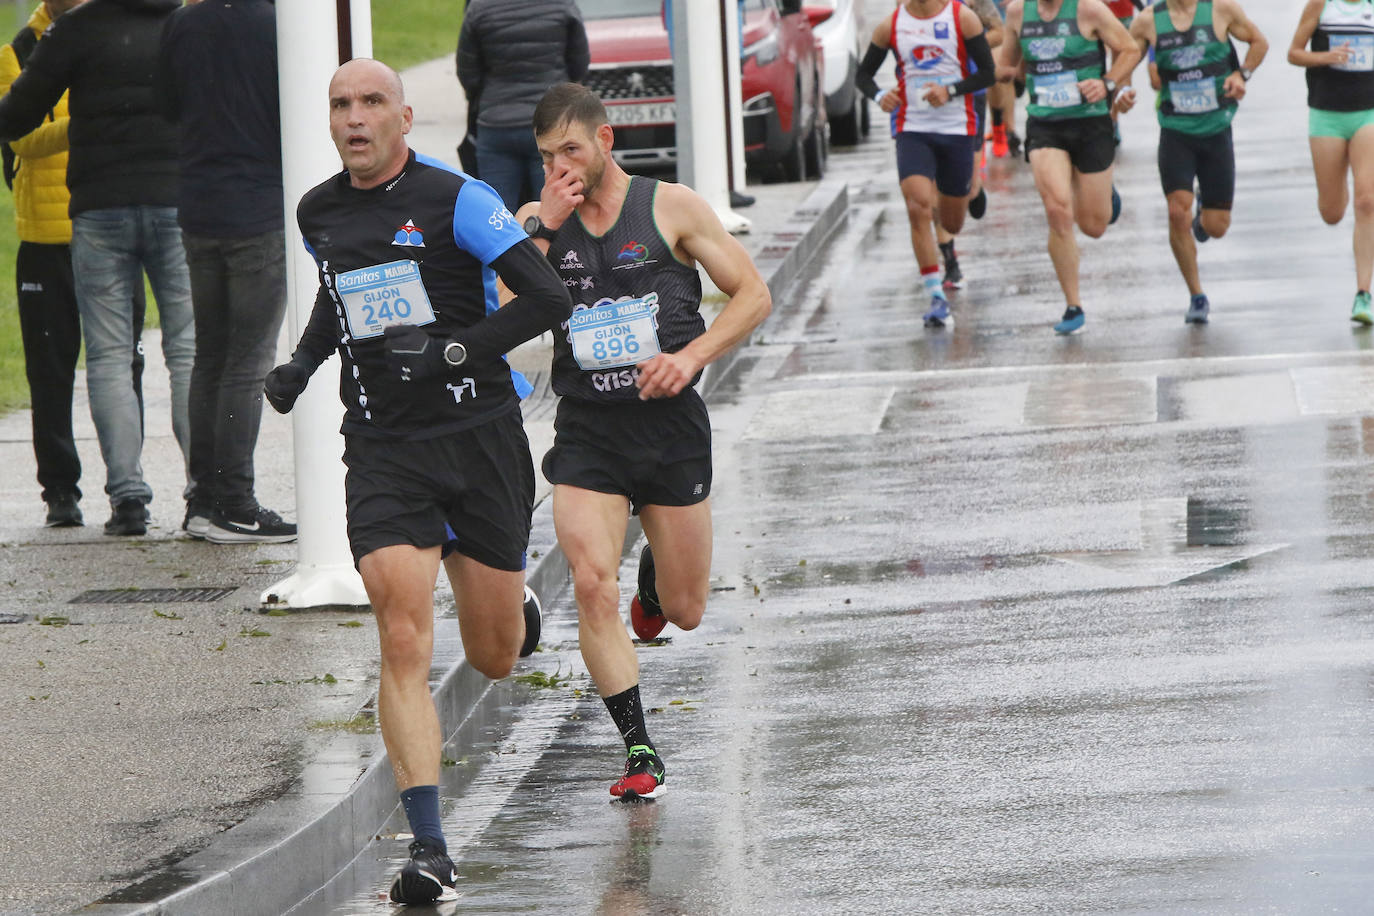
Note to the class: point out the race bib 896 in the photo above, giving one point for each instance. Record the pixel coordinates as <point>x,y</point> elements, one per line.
<point>613,334</point>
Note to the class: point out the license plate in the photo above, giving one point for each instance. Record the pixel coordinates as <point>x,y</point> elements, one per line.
<point>642,113</point>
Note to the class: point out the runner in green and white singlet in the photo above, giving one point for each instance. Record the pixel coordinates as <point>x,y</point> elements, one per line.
<point>1200,87</point>
<point>1062,45</point>
<point>1340,125</point>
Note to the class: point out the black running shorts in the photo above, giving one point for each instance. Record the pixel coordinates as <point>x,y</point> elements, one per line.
<point>1088,141</point>
<point>946,159</point>
<point>471,491</point>
<point>1209,160</point>
<point>656,453</point>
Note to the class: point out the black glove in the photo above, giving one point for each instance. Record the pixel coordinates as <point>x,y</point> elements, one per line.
<point>412,354</point>
<point>283,385</point>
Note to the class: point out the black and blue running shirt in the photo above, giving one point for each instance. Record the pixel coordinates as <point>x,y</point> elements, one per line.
<point>631,298</point>
<point>416,249</point>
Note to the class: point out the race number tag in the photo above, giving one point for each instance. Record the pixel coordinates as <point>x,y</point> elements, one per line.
<point>612,334</point>
<point>1361,48</point>
<point>1193,96</point>
<point>919,102</point>
<point>1058,90</point>
<point>377,297</point>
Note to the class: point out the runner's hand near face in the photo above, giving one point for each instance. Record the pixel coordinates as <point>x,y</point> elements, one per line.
<point>561,195</point>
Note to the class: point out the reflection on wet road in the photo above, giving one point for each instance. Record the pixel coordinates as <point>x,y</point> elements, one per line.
<point>1003,622</point>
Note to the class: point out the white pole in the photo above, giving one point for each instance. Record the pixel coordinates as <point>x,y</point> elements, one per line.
<point>734,104</point>
<point>706,98</point>
<point>308,54</point>
<point>360,15</point>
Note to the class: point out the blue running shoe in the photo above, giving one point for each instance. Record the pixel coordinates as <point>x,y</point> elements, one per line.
<point>1116,206</point>
<point>938,316</point>
<point>1072,322</point>
<point>1197,310</point>
<point>1199,233</point>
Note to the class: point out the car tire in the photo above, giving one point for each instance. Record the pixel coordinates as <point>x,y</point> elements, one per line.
<point>849,128</point>
<point>815,149</point>
<point>793,163</point>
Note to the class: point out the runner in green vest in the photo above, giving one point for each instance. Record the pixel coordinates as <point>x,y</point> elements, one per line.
<point>1200,86</point>
<point>1062,46</point>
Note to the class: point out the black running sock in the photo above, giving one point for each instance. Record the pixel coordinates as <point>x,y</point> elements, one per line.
<point>422,810</point>
<point>947,249</point>
<point>628,714</point>
<point>996,117</point>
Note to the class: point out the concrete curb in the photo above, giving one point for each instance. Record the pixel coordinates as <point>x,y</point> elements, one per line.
<point>299,842</point>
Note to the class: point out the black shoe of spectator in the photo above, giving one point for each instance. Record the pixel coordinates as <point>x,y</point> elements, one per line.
<point>130,517</point>
<point>63,512</point>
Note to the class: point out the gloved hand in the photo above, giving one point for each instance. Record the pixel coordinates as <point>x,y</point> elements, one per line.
<point>412,354</point>
<point>283,385</point>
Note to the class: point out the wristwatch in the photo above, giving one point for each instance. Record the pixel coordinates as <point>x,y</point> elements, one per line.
<point>455,354</point>
<point>535,229</point>
<point>1246,73</point>
<point>1110,84</point>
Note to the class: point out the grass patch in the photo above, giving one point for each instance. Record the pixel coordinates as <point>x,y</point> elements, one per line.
<point>410,32</point>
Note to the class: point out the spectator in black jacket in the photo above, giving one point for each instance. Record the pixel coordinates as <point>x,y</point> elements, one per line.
<point>122,173</point>
<point>509,53</point>
<point>217,79</point>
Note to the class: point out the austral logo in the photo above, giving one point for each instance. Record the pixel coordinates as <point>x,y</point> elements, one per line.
<point>409,236</point>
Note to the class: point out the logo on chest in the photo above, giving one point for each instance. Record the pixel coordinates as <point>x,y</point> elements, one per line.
<point>631,255</point>
<point>409,236</point>
<point>927,57</point>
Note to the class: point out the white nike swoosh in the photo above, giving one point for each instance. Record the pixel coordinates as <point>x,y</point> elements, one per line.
<point>253,527</point>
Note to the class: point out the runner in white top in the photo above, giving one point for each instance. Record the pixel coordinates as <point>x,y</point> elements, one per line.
<point>933,119</point>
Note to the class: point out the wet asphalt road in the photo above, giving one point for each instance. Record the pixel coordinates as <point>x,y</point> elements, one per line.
<point>1002,622</point>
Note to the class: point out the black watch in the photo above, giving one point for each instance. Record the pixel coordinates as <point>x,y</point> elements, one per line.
<point>455,354</point>
<point>1110,85</point>
<point>1246,73</point>
<point>535,229</point>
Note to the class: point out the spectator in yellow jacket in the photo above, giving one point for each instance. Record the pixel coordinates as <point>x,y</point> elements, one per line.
<point>36,168</point>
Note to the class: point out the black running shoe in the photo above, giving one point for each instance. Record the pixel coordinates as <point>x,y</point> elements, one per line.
<point>63,512</point>
<point>197,520</point>
<point>262,527</point>
<point>646,614</point>
<point>130,517</point>
<point>426,877</point>
<point>954,277</point>
<point>533,623</point>
<point>979,205</point>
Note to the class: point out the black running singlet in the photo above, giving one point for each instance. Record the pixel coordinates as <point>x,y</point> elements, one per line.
<point>631,299</point>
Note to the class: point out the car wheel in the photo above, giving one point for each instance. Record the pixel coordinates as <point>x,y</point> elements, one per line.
<point>848,128</point>
<point>815,151</point>
<point>793,162</point>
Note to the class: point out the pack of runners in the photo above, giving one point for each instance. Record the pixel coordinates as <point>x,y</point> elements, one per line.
<point>1074,61</point>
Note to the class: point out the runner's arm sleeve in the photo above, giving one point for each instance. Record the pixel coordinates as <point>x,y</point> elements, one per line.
<point>541,302</point>
<point>321,336</point>
<point>986,74</point>
<point>868,69</point>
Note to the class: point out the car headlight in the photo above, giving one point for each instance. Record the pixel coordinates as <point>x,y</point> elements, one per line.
<point>764,51</point>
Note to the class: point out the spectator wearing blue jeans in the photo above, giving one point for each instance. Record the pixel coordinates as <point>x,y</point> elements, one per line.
<point>509,53</point>
<point>121,172</point>
<point>217,79</point>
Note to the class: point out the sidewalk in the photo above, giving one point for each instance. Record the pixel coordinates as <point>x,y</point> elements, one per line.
<point>143,723</point>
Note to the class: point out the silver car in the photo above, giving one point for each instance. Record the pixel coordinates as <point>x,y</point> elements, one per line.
<point>837,29</point>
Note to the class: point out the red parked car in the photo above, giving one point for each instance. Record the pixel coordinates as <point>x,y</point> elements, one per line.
<point>781,83</point>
